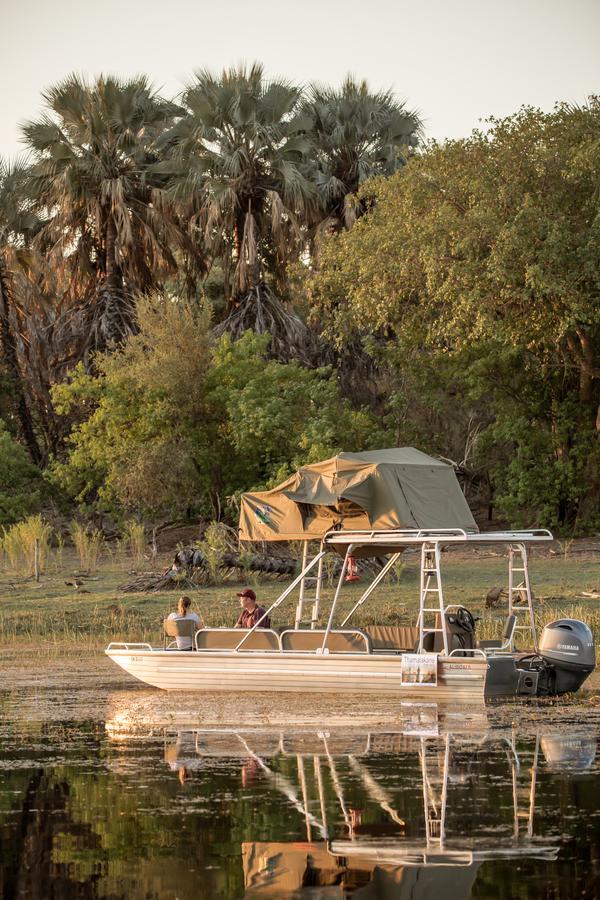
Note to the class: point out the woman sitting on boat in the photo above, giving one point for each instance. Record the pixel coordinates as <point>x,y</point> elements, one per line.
<point>251,612</point>
<point>183,612</point>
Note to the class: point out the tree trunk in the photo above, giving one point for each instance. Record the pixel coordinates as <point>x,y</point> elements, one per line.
<point>9,351</point>
<point>113,272</point>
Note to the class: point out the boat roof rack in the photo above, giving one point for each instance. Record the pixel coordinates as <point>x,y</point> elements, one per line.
<point>400,536</point>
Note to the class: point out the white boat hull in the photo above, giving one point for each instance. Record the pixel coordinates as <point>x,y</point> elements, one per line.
<point>457,679</point>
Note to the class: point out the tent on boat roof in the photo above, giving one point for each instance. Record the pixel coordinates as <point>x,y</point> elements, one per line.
<point>379,489</point>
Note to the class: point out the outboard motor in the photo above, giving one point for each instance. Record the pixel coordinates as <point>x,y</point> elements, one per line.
<point>568,646</point>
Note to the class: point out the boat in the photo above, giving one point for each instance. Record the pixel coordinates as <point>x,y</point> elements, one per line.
<point>439,658</point>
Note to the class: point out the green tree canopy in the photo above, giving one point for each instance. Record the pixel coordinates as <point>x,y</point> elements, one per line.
<point>171,422</point>
<point>357,134</point>
<point>107,216</point>
<point>21,483</point>
<point>486,251</point>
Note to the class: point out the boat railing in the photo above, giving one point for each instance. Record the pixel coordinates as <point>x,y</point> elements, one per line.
<point>130,645</point>
<point>461,651</point>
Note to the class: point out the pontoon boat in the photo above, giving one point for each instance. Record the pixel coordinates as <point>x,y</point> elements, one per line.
<point>439,658</point>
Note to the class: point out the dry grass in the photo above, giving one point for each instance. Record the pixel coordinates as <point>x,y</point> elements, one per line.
<point>19,542</point>
<point>134,539</point>
<point>88,543</point>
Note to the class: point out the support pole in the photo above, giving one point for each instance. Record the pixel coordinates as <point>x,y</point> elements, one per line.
<point>317,601</point>
<point>376,581</point>
<point>36,559</point>
<point>335,599</point>
<point>300,606</point>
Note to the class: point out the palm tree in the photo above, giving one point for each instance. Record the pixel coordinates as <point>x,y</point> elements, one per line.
<point>357,135</point>
<point>17,223</point>
<point>108,215</point>
<point>240,153</point>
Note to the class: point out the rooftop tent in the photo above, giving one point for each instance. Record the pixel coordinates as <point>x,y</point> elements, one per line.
<point>396,488</point>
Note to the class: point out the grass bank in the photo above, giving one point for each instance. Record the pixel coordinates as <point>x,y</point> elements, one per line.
<point>55,616</point>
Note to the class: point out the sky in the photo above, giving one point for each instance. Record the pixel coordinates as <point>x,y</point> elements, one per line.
<point>455,61</point>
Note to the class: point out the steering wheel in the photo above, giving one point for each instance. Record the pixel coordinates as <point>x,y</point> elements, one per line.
<point>465,619</point>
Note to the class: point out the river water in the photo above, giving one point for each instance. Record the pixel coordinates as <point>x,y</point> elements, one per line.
<point>111,789</point>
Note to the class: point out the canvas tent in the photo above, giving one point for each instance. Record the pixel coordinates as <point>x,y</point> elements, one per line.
<point>380,489</point>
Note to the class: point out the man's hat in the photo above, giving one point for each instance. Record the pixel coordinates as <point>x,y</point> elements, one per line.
<point>249,593</point>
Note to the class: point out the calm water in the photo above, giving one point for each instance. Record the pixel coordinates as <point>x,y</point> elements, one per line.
<point>108,790</point>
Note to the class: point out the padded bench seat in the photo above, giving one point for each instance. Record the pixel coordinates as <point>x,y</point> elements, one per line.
<point>393,638</point>
<point>306,641</point>
<point>229,638</point>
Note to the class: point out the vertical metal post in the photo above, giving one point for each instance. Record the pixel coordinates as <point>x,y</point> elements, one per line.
<point>36,559</point>
<point>335,599</point>
<point>300,606</point>
<point>317,601</point>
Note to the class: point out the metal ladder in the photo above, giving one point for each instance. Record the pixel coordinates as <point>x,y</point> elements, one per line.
<point>430,570</point>
<point>315,599</point>
<point>518,554</point>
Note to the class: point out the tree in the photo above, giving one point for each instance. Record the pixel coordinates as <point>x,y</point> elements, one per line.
<point>16,222</point>
<point>133,443</point>
<point>170,422</point>
<point>357,135</point>
<point>240,154</point>
<point>107,214</point>
<point>485,252</point>
<point>21,484</point>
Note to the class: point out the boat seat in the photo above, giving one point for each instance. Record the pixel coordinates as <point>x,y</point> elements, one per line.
<point>174,628</point>
<point>309,640</point>
<point>392,638</point>
<point>229,638</point>
<point>507,636</point>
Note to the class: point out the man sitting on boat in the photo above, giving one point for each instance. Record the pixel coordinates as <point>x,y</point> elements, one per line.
<point>251,612</point>
<point>183,613</point>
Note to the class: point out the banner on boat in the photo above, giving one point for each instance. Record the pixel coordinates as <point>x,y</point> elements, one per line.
<point>419,668</point>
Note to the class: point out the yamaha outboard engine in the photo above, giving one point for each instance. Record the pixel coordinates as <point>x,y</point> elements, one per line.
<point>568,646</point>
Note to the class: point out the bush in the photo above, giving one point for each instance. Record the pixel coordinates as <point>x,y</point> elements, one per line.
<point>88,543</point>
<point>20,481</point>
<point>19,542</point>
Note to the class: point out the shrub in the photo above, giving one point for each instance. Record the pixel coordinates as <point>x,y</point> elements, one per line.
<point>89,543</point>
<point>19,543</point>
<point>20,481</point>
<point>213,547</point>
<point>134,538</point>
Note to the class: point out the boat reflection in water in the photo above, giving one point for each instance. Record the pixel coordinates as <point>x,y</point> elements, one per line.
<point>409,813</point>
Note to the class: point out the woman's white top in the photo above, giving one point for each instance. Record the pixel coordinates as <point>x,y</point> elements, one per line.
<point>185,643</point>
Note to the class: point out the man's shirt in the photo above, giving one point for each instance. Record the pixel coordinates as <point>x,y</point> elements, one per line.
<point>249,618</point>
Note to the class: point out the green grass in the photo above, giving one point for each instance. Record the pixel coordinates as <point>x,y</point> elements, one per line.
<point>53,615</point>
